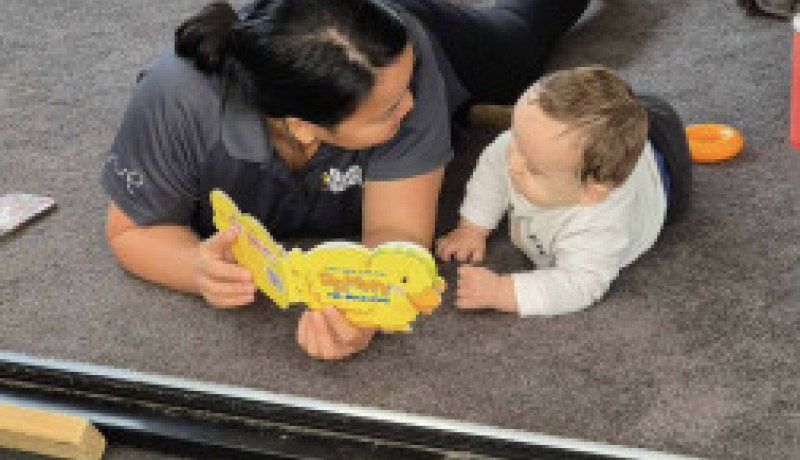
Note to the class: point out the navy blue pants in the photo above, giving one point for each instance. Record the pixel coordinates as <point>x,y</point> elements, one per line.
<point>667,133</point>
<point>497,50</point>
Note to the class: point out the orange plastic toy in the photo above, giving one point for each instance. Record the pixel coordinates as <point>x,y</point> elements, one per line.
<point>710,143</point>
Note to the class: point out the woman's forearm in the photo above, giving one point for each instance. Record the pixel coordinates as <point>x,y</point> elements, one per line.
<point>377,236</point>
<point>162,254</point>
<point>401,210</point>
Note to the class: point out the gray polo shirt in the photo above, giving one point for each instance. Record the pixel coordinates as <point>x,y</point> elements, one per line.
<point>183,135</point>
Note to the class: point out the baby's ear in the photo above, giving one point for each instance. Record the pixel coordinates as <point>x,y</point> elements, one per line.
<point>595,192</point>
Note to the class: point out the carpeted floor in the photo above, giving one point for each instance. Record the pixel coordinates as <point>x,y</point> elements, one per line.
<point>693,351</point>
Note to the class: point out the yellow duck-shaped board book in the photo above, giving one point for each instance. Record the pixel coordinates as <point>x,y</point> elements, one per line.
<point>385,287</point>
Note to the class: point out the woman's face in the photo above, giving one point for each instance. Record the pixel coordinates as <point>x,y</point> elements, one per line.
<point>378,118</point>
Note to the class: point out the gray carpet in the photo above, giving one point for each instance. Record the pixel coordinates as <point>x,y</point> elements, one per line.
<point>693,351</point>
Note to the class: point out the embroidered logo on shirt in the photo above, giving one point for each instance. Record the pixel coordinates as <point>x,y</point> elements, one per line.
<point>534,240</point>
<point>133,179</point>
<point>337,181</point>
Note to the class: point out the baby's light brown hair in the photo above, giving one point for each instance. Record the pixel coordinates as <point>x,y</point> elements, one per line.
<point>597,101</point>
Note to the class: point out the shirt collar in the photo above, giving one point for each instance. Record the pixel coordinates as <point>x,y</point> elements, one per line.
<point>243,130</point>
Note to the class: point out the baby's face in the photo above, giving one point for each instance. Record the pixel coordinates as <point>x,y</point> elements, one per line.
<point>544,156</point>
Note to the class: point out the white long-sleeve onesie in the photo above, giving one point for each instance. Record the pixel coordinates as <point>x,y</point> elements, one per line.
<point>578,250</point>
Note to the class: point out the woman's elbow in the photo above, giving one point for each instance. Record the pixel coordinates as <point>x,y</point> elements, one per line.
<point>117,226</point>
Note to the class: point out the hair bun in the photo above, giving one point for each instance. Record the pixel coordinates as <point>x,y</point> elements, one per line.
<point>203,37</point>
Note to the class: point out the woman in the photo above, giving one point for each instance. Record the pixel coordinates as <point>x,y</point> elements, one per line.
<point>320,117</point>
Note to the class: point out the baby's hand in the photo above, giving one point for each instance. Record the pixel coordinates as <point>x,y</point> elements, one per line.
<point>467,243</point>
<point>479,287</point>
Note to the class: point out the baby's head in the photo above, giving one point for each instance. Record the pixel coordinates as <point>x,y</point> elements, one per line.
<point>576,134</point>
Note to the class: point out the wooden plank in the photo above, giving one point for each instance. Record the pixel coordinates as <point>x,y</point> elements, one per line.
<point>50,434</point>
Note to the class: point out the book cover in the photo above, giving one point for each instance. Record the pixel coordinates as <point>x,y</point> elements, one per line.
<point>385,287</point>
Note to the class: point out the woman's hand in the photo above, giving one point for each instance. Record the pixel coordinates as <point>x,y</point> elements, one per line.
<point>328,335</point>
<point>173,256</point>
<point>218,278</point>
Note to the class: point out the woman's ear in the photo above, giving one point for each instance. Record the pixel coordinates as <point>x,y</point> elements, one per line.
<point>595,192</point>
<point>305,132</point>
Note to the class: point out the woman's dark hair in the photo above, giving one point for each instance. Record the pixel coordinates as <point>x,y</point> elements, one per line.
<point>311,59</point>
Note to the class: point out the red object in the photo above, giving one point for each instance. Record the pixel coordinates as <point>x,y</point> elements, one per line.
<point>794,92</point>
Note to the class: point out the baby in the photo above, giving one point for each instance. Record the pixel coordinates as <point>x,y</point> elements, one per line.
<point>585,191</point>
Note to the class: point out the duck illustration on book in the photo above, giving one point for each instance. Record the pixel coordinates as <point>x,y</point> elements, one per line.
<point>385,287</point>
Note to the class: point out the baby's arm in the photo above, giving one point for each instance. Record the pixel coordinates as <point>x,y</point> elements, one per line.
<point>485,202</point>
<point>479,287</point>
<point>586,262</point>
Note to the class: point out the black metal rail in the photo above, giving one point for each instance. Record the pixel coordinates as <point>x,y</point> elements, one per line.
<point>209,421</point>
